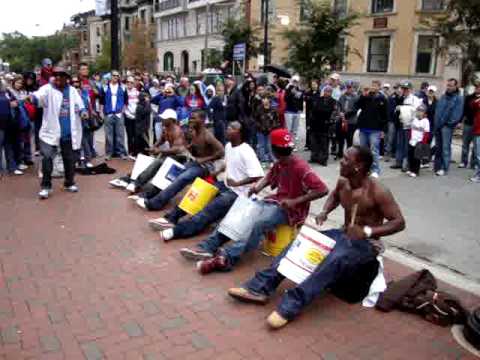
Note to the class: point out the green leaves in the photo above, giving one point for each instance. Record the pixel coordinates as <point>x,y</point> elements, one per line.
<point>236,31</point>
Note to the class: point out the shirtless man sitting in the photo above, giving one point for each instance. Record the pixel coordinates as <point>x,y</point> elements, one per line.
<point>204,148</point>
<point>377,214</point>
<point>171,144</point>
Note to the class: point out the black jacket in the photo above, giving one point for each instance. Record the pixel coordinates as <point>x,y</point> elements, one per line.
<point>234,110</point>
<point>467,111</point>
<point>216,110</point>
<point>374,115</point>
<point>323,109</point>
<point>293,99</point>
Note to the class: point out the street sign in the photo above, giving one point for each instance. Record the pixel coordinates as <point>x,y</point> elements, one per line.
<point>239,52</point>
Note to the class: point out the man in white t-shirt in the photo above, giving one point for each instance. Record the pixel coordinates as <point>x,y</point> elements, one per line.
<point>420,133</point>
<point>242,169</point>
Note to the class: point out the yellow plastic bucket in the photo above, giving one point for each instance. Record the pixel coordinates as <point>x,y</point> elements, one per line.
<point>198,196</point>
<point>276,241</point>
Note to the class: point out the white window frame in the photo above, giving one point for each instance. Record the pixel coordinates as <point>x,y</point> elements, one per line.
<point>370,10</point>
<point>371,34</point>
<point>420,7</point>
<point>435,62</point>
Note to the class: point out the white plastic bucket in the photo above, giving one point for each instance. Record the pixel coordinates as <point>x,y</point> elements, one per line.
<point>167,173</point>
<point>238,223</point>
<point>141,164</point>
<point>308,250</point>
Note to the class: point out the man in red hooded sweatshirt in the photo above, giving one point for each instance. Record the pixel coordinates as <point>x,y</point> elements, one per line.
<point>46,72</point>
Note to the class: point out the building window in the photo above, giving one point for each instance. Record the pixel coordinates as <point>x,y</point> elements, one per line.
<point>85,51</point>
<point>85,38</point>
<point>426,54</point>
<point>382,6</point>
<point>105,28</point>
<point>127,24</point>
<point>168,61</point>
<point>340,52</point>
<point>340,8</point>
<point>378,54</point>
<point>98,31</point>
<point>433,5</point>
<point>143,16</point>
<point>98,49</point>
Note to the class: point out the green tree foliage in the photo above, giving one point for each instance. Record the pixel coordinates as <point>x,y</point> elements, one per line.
<point>103,61</point>
<point>24,53</point>
<point>459,26</point>
<point>236,31</point>
<point>313,45</point>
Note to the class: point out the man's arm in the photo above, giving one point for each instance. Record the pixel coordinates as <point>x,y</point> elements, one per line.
<point>391,211</point>
<point>177,146</point>
<point>262,184</point>
<point>331,204</point>
<point>218,150</point>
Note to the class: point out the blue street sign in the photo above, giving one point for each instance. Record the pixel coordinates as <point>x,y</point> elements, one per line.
<point>239,52</point>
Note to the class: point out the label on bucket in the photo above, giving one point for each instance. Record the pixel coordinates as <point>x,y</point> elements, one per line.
<point>141,164</point>
<point>308,250</point>
<point>168,172</point>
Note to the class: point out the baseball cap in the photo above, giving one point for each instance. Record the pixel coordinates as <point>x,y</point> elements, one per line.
<point>386,85</point>
<point>406,84</point>
<point>169,114</point>
<point>281,138</point>
<point>432,88</point>
<point>58,70</point>
<point>335,76</point>
<point>295,78</point>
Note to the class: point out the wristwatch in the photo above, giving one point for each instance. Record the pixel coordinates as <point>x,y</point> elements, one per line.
<point>368,231</point>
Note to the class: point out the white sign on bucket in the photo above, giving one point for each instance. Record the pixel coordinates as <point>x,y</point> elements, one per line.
<point>168,172</point>
<point>238,223</point>
<point>308,250</point>
<point>141,164</point>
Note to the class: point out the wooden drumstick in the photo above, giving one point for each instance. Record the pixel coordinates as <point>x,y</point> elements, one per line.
<point>354,214</point>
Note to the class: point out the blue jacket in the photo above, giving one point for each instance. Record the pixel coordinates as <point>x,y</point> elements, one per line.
<point>5,111</point>
<point>449,110</point>
<point>122,100</point>
<point>167,102</point>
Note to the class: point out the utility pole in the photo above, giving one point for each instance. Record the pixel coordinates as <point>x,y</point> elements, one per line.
<point>205,48</point>
<point>115,60</point>
<point>265,34</point>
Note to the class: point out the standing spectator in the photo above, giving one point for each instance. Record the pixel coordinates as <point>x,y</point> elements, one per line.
<point>216,113</point>
<point>280,97</point>
<point>89,89</point>
<point>194,100</point>
<point>371,122</point>
<point>323,109</point>
<point>448,114</point>
<point>405,111</point>
<point>87,151</point>
<point>266,120</point>
<point>294,106</point>
<point>308,97</point>
<point>386,90</point>
<point>348,115</point>
<point>233,110</point>
<point>393,125</point>
<point>7,138</point>
<point>20,133</point>
<point>46,72</point>
<point>468,123</point>
<point>114,101</point>
<point>475,110</point>
<point>422,94</point>
<point>334,82</point>
<point>130,109</point>
<point>61,129</point>
<point>142,122</point>
<point>165,101</point>
<point>35,114</point>
<point>419,134</point>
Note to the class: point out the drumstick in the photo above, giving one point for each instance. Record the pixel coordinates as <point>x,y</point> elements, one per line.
<point>354,214</point>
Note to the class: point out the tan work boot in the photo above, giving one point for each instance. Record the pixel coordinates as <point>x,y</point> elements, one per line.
<point>276,321</point>
<point>245,295</point>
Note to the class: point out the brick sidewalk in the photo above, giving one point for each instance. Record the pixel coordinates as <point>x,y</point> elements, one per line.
<point>83,277</point>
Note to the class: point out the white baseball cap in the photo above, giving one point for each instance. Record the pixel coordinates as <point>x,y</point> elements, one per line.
<point>295,78</point>
<point>169,114</point>
<point>335,76</point>
<point>386,85</point>
<point>432,88</point>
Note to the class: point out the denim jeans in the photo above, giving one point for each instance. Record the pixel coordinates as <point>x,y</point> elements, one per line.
<point>292,121</point>
<point>271,216</point>
<point>7,149</point>
<point>192,171</point>
<point>69,158</point>
<point>468,138</point>
<point>87,142</point>
<point>157,128</point>
<point>443,143</point>
<point>214,211</point>
<point>391,141</point>
<point>115,135</point>
<point>344,260</point>
<point>476,143</point>
<point>219,130</point>
<point>371,139</point>
<point>264,147</point>
<point>401,154</point>
<point>26,145</point>
<point>149,173</point>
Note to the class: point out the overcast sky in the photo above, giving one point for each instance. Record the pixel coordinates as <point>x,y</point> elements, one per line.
<point>39,17</point>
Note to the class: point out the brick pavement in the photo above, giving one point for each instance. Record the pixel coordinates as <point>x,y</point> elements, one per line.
<point>83,277</point>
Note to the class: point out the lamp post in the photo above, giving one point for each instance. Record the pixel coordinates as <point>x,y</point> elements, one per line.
<point>265,33</point>
<point>115,57</point>
<point>205,49</point>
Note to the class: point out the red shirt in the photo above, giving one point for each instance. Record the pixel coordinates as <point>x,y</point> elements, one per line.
<point>475,105</point>
<point>292,180</point>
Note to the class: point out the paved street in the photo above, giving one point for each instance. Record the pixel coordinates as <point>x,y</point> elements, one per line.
<point>83,277</point>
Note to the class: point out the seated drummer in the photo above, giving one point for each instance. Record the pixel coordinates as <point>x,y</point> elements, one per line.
<point>296,184</point>
<point>204,149</point>
<point>242,168</point>
<point>377,215</point>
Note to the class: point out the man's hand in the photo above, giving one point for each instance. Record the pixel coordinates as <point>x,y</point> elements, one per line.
<point>321,218</point>
<point>232,183</point>
<point>84,116</point>
<point>356,232</point>
<point>288,203</point>
<point>252,191</point>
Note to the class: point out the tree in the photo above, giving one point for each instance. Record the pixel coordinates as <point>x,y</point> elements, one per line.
<point>103,62</point>
<point>139,51</point>
<point>313,46</point>
<point>459,27</point>
<point>236,31</point>
<point>24,53</point>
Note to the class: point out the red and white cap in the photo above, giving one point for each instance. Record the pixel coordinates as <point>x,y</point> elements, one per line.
<point>281,138</point>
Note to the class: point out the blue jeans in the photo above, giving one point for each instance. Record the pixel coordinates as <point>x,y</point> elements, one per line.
<point>68,156</point>
<point>219,129</point>
<point>115,135</point>
<point>292,121</point>
<point>371,139</point>
<point>192,171</point>
<point>214,211</point>
<point>26,145</point>
<point>391,141</point>
<point>468,139</point>
<point>401,155</point>
<point>6,147</point>
<point>343,261</point>
<point>264,148</point>
<point>271,216</point>
<point>443,143</point>
<point>476,143</point>
<point>87,144</point>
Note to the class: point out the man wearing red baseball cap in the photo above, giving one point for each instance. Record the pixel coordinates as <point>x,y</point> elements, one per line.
<point>296,184</point>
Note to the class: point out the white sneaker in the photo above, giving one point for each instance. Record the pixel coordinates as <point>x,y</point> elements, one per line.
<point>475,179</point>
<point>131,157</point>
<point>440,173</point>
<point>44,193</point>
<point>141,202</point>
<point>374,175</point>
<point>118,183</point>
<point>22,167</point>
<point>133,197</point>
<point>18,172</point>
<point>412,174</point>
<point>89,165</point>
<point>131,188</point>
<point>462,166</point>
<point>71,189</point>
<point>425,166</point>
